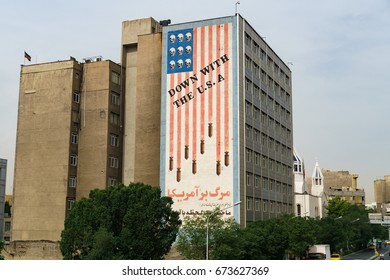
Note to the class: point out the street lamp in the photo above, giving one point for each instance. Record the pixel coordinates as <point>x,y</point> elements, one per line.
<point>207,225</point>
<point>348,235</point>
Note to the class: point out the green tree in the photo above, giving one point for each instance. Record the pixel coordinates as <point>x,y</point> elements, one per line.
<point>1,249</point>
<point>337,207</point>
<point>272,239</point>
<point>120,222</point>
<point>302,233</point>
<point>224,237</point>
<point>265,240</point>
<point>347,226</point>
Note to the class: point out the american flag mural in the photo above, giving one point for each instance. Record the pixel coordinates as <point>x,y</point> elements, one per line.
<point>198,118</point>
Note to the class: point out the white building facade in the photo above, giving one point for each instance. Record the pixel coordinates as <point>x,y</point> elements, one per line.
<point>308,203</point>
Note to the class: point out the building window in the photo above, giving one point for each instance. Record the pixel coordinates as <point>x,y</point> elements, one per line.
<point>73,160</point>
<point>248,85</point>
<point>248,203</point>
<point>271,207</point>
<point>115,78</point>
<point>114,118</point>
<point>256,48</point>
<point>299,210</point>
<point>74,138</point>
<point>257,158</point>
<point>114,140</point>
<point>72,182</point>
<point>264,162</point>
<point>248,155</point>
<point>265,184</point>
<point>257,205</point>
<point>248,108</point>
<point>115,99</point>
<point>69,203</point>
<point>248,179</point>
<point>256,70</point>
<point>264,206</point>
<point>257,135</point>
<point>76,96</point>
<point>256,181</point>
<point>7,226</point>
<point>248,130</point>
<point>248,63</point>
<point>114,162</point>
<point>75,116</point>
<point>248,39</point>
<point>112,181</point>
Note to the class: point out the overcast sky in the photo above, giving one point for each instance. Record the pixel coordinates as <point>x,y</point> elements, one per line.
<point>340,51</point>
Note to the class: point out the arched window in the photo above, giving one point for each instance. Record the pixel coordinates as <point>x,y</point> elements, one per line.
<point>298,209</point>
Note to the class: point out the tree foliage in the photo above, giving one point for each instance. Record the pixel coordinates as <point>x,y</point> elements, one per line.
<point>1,249</point>
<point>120,222</point>
<point>223,237</point>
<point>347,227</point>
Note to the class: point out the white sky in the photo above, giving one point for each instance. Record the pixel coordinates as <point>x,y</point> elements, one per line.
<point>340,50</point>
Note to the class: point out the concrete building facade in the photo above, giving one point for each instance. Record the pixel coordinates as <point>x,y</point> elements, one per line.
<point>382,194</point>
<point>68,142</point>
<point>309,202</point>
<point>226,128</point>
<point>341,184</point>
<point>141,60</point>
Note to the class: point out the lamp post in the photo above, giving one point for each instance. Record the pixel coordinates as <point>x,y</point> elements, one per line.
<point>348,235</point>
<point>207,225</point>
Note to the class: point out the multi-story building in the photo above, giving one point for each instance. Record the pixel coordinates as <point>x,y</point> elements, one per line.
<point>3,176</point>
<point>308,202</point>
<point>141,59</point>
<point>342,184</point>
<point>68,142</point>
<point>226,120</point>
<point>382,194</point>
<point>205,112</point>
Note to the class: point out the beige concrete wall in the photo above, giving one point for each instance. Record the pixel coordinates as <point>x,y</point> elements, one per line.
<point>92,150</point>
<point>148,110</point>
<point>131,30</point>
<point>129,114</point>
<point>387,189</point>
<point>337,179</point>
<point>379,191</point>
<point>32,250</point>
<point>42,150</point>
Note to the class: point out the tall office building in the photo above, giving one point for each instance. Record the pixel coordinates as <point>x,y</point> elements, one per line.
<point>68,142</point>
<point>226,121</point>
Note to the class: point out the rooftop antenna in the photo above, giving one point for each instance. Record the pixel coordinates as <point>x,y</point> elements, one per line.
<point>237,3</point>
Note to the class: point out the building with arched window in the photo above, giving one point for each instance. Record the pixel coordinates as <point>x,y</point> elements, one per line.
<point>308,202</point>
